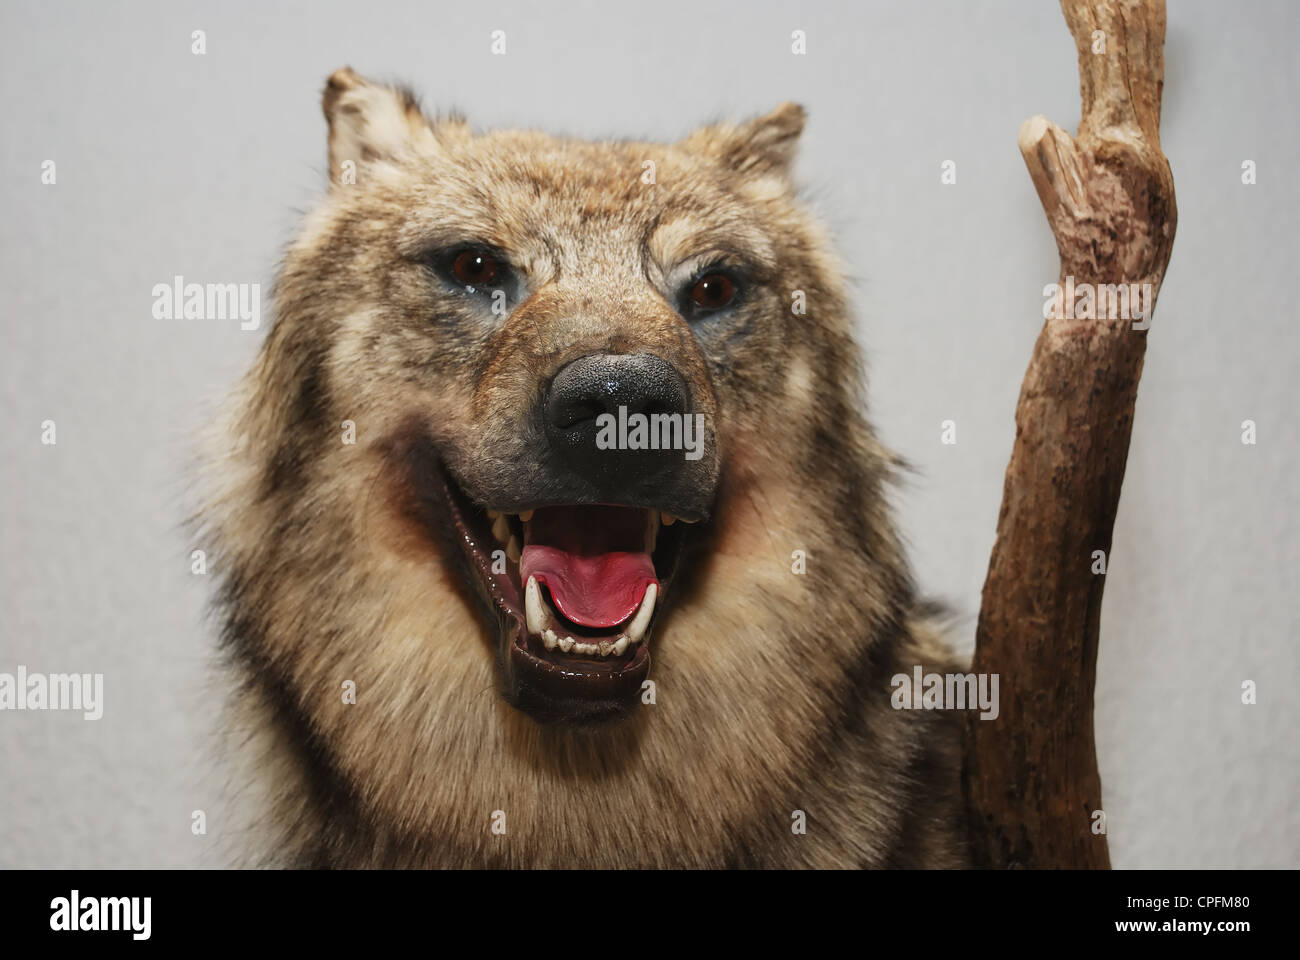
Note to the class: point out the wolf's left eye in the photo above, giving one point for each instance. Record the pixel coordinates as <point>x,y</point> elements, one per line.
<point>475,268</point>
<point>713,291</point>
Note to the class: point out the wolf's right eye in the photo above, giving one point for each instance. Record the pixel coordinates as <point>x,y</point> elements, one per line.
<point>475,268</point>
<point>713,291</point>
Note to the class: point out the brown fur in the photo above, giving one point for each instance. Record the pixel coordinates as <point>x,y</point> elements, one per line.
<point>772,689</point>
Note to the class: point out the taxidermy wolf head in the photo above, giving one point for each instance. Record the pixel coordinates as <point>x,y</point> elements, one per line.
<point>550,527</point>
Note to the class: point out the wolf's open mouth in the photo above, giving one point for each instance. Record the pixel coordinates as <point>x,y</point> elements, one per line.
<point>580,586</point>
<point>587,571</point>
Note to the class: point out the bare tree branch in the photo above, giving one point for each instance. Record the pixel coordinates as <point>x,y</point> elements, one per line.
<point>1030,777</point>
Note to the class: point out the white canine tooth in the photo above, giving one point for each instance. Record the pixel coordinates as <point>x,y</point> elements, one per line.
<point>534,609</point>
<point>567,644</point>
<point>669,519</point>
<point>636,629</point>
<point>500,528</point>
<point>512,550</point>
<point>619,646</point>
<point>526,516</point>
<point>549,638</point>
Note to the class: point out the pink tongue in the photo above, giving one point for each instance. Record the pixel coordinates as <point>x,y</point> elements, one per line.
<point>592,559</point>
<point>599,591</point>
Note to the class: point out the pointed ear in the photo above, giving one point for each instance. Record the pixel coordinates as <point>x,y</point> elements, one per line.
<point>369,121</point>
<point>765,144</point>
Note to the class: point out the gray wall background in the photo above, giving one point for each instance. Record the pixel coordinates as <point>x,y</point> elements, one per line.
<point>172,163</point>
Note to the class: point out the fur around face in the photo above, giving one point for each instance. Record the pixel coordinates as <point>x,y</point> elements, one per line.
<point>771,688</point>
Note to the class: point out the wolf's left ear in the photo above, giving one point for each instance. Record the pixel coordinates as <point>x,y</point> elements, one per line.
<point>765,144</point>
<point>369,121</point>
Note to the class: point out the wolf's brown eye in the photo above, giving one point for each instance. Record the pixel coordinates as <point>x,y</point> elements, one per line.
<point>713,291</point>
<point>474,268</point>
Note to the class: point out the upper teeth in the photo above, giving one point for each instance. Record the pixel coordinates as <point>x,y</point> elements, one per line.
<point>636,629</point>
<point>654,519</point>
<point>669,519</point>
<point>534,613</point>
<point>538,618</point>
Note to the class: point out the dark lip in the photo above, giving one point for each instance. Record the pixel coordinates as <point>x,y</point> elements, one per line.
<point>544,686</point>
<point>562,680</point>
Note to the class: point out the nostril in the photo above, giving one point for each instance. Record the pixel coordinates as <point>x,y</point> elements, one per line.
<point>568,411</point>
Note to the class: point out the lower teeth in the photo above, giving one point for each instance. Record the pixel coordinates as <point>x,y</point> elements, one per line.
<point>538,620</point>
<point>604,648</point>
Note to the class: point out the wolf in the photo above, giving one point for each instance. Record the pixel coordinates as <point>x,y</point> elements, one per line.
<point>463,633</point>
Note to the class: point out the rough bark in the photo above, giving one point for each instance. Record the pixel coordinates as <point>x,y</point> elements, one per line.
<point>1030,776</point>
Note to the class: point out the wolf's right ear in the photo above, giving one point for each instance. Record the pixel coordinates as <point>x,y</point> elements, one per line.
<point>370,121</point>
<point>765,144</point>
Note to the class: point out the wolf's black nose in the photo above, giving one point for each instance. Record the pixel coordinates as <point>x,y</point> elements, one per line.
<point>592,401</point>
<point>590,386</point>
